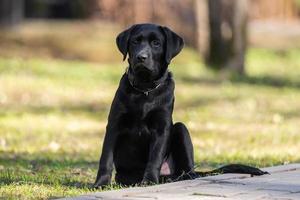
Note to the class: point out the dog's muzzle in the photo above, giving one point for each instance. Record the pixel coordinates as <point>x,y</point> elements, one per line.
<point>142,71</point>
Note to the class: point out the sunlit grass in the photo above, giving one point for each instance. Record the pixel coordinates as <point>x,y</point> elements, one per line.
<point>53,115</point>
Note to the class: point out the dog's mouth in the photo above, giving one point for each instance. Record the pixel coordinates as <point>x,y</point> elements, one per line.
<point>142,73</point>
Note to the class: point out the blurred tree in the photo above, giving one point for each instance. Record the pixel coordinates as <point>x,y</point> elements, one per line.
<point>11,12</point>
<point>176,14</point>
<point>60,9</point>
<point>223,23</point>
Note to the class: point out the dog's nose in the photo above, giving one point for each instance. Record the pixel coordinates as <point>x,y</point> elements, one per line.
<point>142,57</point>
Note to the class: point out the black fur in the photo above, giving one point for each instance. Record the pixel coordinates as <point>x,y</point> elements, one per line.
<point>140,134</point>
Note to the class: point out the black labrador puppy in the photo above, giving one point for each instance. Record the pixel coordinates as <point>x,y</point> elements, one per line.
<point>141,140</point>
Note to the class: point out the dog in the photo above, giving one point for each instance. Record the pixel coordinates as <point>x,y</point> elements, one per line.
<point>141,140</point>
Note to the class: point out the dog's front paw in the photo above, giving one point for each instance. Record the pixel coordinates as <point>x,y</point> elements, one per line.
<point>149,179</point>
<point>102,181</point>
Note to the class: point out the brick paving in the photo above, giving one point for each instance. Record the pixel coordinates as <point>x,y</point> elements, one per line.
<point>283,183</point>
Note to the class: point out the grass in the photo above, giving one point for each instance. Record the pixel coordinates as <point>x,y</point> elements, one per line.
<point>53,115</point>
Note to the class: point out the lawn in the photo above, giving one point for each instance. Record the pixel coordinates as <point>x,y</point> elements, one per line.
<point>53,111</point>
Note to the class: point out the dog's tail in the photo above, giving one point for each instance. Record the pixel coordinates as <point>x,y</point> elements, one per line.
<point>233,169</point>
<point>227,169</point>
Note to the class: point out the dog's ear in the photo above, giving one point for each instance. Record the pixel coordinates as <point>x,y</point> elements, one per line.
<point>122,41</point>
<point>174,44</point>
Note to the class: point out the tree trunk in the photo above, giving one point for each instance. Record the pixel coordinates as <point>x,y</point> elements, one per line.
<point>239,39</point>
<point>202,24</point>
<point>142,11</point>
<point>227,28</point>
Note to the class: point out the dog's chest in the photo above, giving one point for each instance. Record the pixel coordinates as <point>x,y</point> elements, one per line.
<point>138,118</point>
<point>142,105</point>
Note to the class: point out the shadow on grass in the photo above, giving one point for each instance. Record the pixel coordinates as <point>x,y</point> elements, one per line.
<point>199,102</point>
<point>49,168</point>
<point>277,82</point>
<point>292,114</point>
<point>201,80</point>
<point>61,169</point>
<point>96,110</point>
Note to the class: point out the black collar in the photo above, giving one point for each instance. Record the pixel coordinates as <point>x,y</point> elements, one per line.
<point>145,88</point>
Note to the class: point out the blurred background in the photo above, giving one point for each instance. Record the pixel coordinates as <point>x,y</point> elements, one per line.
<point>237,84</point>
<point>219,30</point>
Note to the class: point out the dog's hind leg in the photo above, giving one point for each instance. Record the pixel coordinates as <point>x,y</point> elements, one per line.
<point>182,149</point>
<point>183,160</point>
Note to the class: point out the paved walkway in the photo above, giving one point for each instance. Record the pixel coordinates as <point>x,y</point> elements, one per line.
<point>283,184</point>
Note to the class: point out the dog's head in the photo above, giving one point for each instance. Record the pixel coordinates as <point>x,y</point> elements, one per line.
<point>150,49</point>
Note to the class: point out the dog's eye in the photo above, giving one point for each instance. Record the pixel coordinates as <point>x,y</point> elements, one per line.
<point>136,41</point>
<point>155,43</point>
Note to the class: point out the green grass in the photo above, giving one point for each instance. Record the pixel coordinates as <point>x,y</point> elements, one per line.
<point>53,115</point>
